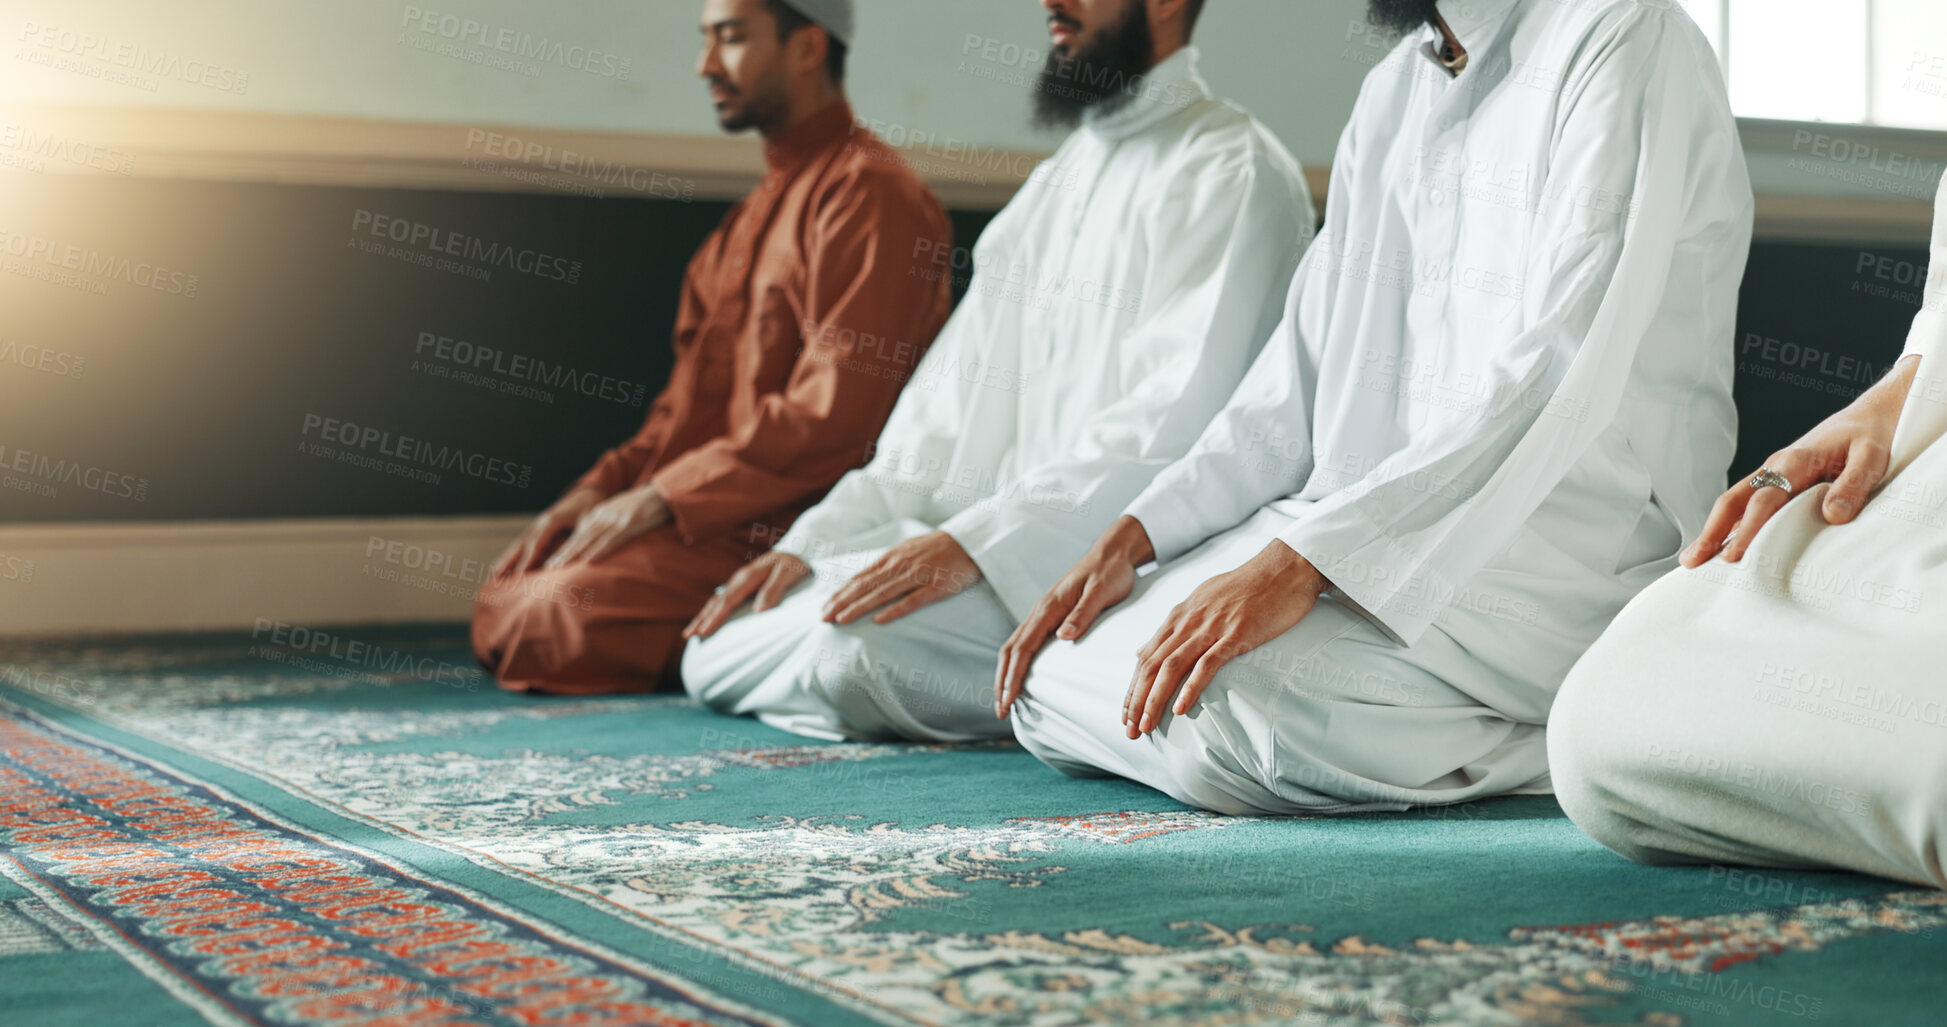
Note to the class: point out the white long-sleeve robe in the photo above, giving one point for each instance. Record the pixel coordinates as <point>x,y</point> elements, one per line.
<point>1114,306</point>
<point>1500,396</point>
<point>1787,710</point>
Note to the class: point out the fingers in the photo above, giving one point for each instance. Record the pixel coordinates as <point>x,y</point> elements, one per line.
<point>1082,617</point>
<point>1169,675</point>
<point>1133,699</point>
<point>1162,635</point>
<point>1019,653</point>
<point>717,611</point>
<point>916,599</point>
<point>1764,503</point>
<point>1004,670</point>
<point>1148,665</point>
<point>1742,510</point>
<point>1866,465</point>
<point>608,541</point>
<point>542,544</point>
<point>572,549</point>
<point>1799,467</point>
<point>1758,511</point>
<point>530,553</point>
<point>707,620</point>
<point>529,548</point>
<point>784,573</point>
<point>887,589</point>
<point>504,563</point>
<point>1213,660</point>
<point>1717,529</point>
<point>860,585</point>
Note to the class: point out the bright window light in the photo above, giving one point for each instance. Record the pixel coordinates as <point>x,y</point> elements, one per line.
<point>1909,78</point>
<point>1803,60</point>
<point>1871,62</point>
<point>1709,16</point>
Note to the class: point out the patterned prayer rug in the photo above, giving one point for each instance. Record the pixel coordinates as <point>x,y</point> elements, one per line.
<point>355,827</point>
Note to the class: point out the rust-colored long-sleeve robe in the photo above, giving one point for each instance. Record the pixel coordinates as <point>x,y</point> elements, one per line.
<point>801,317</point>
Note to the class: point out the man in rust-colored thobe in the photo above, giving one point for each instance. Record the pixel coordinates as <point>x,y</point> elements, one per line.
<point>801,318</point>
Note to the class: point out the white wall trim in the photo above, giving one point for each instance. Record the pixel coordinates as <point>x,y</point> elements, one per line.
<point>193,576</point>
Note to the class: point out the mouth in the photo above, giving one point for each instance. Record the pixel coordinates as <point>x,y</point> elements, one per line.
<point>1063,32</point>
<point>721,94</point>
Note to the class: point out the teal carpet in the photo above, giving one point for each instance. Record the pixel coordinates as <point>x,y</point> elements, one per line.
<point>359,829</point>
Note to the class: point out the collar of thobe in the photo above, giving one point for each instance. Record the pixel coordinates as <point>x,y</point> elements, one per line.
<point>1169,87</point>
<point>808,138</point>
<point>1473,22</point>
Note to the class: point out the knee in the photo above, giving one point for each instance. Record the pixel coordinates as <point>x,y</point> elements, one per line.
<point>518,610</point>
<point>497,617</point>
<point>694,669</point>
<point>1051,736</point>
<point>1211,764</point>
<point>839,659</point>
<point>709,670</point>
<point>1600,811</point>
<point>1590,763</point>
<point>720,669</point>
<point>1029,721</point>
<point>1584,788</point>
<point>563,592</point>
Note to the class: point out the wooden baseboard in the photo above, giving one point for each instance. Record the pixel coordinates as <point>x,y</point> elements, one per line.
<point>1844,219</point>
<point>135,578</point>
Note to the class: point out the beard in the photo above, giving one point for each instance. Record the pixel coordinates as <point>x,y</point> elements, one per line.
<point>1101,76</point>
<point>1400,16</point>
<point>759,107</point>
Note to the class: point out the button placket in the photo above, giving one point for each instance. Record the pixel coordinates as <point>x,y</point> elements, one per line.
<point>1435,231</point>
<point>1077,212</point>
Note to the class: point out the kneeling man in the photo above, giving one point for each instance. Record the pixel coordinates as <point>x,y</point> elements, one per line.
<point>1500,397</point>
<point>776,391</point>
<point>1114,305</point>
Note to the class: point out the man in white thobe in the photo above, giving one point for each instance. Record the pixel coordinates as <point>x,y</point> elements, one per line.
<point>1500,397</point>
<point>1114,305</point>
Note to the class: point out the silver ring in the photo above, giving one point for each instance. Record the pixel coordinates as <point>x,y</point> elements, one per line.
<point>1766,478</point>
<point>723,590</point>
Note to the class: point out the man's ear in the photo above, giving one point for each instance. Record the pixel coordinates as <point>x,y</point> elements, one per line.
<point>1173,13</point>
<point>805,51</point>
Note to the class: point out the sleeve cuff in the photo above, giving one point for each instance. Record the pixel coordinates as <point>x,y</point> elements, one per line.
<point>1381,578</point>
<point>1169,521</point>
<point>1929,329</point>
<point>601,477</point>
<point>1017,559</point>
<point>677,484</point>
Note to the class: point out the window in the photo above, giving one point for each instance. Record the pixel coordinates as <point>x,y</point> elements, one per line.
<point>1869,62</point>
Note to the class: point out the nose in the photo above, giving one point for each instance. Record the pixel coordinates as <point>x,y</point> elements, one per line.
<point>707,64</point>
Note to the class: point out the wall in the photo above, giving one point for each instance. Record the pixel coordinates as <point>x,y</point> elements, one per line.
<point>923,64</point>
<point>950,69</point>
<point>203,391</point>
<point>279,356</point>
